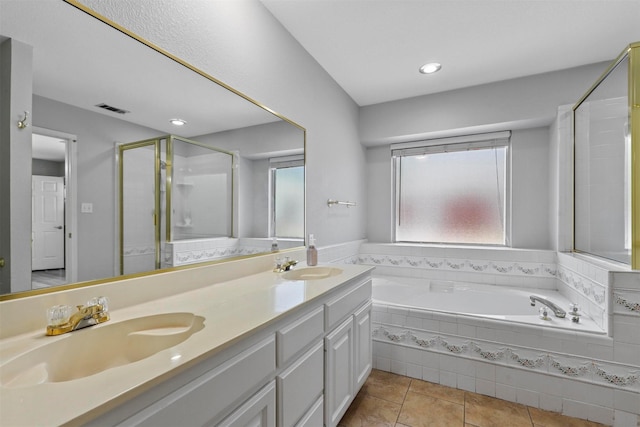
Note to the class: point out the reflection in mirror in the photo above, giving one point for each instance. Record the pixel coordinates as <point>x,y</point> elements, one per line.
<point>603,169</point>
<point>96,87</point>
<point>140,206</point>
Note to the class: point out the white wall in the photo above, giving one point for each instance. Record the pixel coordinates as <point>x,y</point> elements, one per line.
<point>530,197</point>
<point>511,104</point>
<point>97,135</point>
<point>243,45</point>
<point>16,75</point>
<point>527,106</point>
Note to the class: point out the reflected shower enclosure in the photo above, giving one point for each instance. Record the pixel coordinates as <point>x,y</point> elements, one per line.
<point>170,189</point>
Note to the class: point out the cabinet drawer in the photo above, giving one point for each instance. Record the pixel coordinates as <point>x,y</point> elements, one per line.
<point>345,304</point>
<point>300,333</point>
<point>300,385</point>
<point>205,398</point>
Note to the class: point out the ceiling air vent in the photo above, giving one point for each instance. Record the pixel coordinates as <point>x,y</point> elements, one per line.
<point>114,109</point>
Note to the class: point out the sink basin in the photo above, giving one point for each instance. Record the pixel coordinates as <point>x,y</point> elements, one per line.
<point>92,350</point>
<point>311,273</point>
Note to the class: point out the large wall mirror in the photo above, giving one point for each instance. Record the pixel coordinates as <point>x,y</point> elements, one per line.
<point>97,88</point>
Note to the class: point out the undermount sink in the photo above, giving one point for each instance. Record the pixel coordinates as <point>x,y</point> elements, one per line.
<point>311,273</point>
<point>92,350</point>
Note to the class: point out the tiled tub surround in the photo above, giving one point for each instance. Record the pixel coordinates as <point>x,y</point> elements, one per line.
<point>584,375</point>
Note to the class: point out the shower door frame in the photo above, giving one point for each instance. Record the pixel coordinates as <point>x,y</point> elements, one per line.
<point>156,222</point>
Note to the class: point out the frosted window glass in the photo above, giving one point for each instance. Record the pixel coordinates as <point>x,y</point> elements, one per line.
<point>289,202</point>
<point>452,197</point>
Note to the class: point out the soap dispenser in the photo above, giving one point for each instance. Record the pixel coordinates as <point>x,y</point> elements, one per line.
<point>274,245</point>
<point>312,252</point>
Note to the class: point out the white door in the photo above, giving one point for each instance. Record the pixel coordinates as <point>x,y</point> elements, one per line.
<point>47,247</point>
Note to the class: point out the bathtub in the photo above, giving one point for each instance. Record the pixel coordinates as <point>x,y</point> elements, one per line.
<point>488,339</point>
<point>469,300</point>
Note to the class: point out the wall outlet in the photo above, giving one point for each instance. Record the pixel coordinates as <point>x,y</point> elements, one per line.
<point>86,208</point>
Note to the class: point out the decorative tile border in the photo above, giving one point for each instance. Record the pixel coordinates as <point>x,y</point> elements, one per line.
<point>562,365</point>
<point>187,257</point>
<point>595,292</point>
<point>529,269</point>
<point>139,250</point>
<point>624,305</point>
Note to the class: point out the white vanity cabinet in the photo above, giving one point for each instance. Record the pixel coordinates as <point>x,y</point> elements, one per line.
<point>258,411</point>
<point>303,369</point>
<point>363,345</point>
<point>348,356</point>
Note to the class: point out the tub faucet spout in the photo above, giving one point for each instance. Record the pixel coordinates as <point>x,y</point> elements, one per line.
<point>556,310</point>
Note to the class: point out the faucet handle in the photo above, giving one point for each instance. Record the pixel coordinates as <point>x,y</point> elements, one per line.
<point>102,301</point>
<point>58,315</point>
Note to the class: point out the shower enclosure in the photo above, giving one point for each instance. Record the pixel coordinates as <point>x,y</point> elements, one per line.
<point>170,189</point>
<point>607,163</point>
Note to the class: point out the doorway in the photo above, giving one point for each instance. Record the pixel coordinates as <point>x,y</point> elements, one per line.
<point>53,223</point>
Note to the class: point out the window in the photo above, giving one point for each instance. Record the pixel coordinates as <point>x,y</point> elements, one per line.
<point>452,190</point>
<point>287,197</point>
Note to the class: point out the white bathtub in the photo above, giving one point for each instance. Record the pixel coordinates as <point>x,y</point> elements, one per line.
<point>511,304</point>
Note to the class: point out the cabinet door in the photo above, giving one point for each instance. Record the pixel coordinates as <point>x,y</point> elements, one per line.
<point>314,416</point>
<point>299,386</point>
<point>339,391</point>
<point>258,411</point>
<point>363,345</point>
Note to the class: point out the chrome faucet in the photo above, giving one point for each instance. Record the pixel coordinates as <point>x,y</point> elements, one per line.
<point>281,267</point>
<point>556,310</point>
<point>61,320</point>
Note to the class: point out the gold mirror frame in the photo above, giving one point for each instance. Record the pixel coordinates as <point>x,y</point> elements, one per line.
<point>92,13</point>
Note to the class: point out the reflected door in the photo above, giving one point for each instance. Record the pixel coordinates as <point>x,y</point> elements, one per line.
<point>47,250</point>
<point>139,207</point>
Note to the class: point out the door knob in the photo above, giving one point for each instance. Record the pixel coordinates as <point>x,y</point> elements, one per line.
<point>59,227</point>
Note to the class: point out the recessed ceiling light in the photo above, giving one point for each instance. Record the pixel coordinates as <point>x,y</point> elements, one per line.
<point>178,122</point>
<point>430,68</point>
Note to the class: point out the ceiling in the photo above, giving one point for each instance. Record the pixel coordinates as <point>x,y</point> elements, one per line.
<point>373,48</point>
<point>72,51</point>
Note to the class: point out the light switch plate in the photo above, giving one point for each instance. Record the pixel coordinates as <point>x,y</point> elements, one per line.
<point>86,208</point>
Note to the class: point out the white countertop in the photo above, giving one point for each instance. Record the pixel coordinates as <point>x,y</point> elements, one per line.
<point>231,310</point>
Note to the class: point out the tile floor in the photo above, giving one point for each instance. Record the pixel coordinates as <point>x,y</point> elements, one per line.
<point>392,400</point>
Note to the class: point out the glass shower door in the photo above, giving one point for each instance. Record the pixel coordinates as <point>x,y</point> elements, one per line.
<point>139,180</point>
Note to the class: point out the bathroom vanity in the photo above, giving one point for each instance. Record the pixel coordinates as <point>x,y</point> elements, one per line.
<point>268,349</point>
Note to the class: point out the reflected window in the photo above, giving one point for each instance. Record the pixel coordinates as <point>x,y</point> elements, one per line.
<point>452,193</point>
<point>287,197</point>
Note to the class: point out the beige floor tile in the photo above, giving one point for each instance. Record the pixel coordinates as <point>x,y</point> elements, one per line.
<point>420,410</point>
<point>542,418</point>
<point>438,391</point>
<point>395,401</point>
<point>485,411</point>
<point>388,386</point>
<point>370,411</point>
